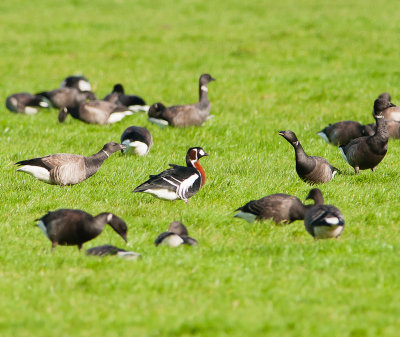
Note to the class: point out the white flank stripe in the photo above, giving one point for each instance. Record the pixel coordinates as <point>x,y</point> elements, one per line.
<point>172,241</point>
<point>115,117</point>
<point>323,136</point>
<point>162,194</point>
<point>43,228</point>
<point>44,104</point>
<point>129,255</point>
<point>343,155</point>
<point>249,217</point>
<point>30,110</point>
<point>38,172</point>
<point>160,122</point>
<point>137,108</point>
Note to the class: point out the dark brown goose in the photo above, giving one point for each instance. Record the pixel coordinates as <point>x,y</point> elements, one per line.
<point>311,169</point>
<point>323,221</point>
<point>184,115</point>
<point>137,140</point>
<point>118,96</point>
<point>343,132</point>
<point>26,103</point>
<point>73,227</point>
<point>67,169</point>
<point>391,112</point>
<point>70,97</point>
<point>176,235</point>
<point>367,152</point>
<point>95,112</point>
<point>281,208</point>
<point>78,82</point>
<point>392,126</point>
<point>107,250</point>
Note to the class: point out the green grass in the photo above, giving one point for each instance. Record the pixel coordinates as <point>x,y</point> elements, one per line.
<point>295,65</point>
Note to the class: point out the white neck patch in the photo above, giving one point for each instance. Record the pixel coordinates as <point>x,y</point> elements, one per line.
<point>204,88</point>
<point>109,217</point>
<point>106,153</point>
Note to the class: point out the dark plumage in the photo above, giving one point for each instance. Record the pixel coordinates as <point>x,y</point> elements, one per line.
<point>67,97</point>
<point>178,182</point>
<point>73,227</point>
<point>137,140</point>
<point>176,235</point>
<point>391,112</point>
<point>118,96</point>
<point>392,126</point>
<point>78,82</point>
<point>107,250</point>
<point>95,112</point>
<point>184,115</point>
<point>323,221</point>
<point>311,169</point>
<point>367,152</point>
<point>343,132</point>
<point>26,103</point>
<point>280,207</point>
<point>67,169</point>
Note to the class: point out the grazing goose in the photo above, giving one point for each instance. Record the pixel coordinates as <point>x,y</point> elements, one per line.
<point>367,152</point>
<point>178,182</point>
<point>323,221</point>
<point>391,112</point>
<point>26,103</point>
<point>137,140</point>
<point>73,227</point>
<point>67,169</point>
<point>95,112</point>
<point>311,169</point>
<point>343,132</point>
<point>118,96</point>
<point>280,207</point>
<point>184,115</point>
<point>69,97</point>
<point>78,82</point>
<point>107,250</point>
<point>176,235</point>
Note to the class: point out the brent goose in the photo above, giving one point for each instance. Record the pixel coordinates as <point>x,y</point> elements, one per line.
<point>78,82</point>
<point>392,126</point>
<point>184,115</point>
<point>343,132</point>
<point>95,112</point>
<point>137,140</point>
<point>176,235</point>
<point>392,111</point>
<point>323,221</point>
<point>67,169</point>
<point>311,169</point>
<point>280,207</point>
<point>69,97</point>
<point>107,250</point>
<point>178,182</point>
<point>118,96</point>
<point>73,227</point>
<point>367,152</point>
<point>26,103</point>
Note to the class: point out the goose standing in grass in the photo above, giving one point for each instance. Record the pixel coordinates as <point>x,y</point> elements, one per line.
<point>178,182</point>
<point>95,112</point>
<point>26,103</point>
<point>107,250</point>
<point>184,115</point>
<point>311,169</point>
<point>176,235</point>
<point>323,221</point>
<point>367,152</point>
<point>73,227</point>
<point>343,132</point>
<point>78,82</point>
<point>118,96</point>
<point>391,112</point>
<point>67,169</point>
<point>137,140</point>
<point>70,97</point>
<point>282,208</point>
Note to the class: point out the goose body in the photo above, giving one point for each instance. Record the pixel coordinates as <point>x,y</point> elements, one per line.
<point>26,103</point>
<point>67,169</point>
<point>176,235</point>
<point>118,97</point>
<point>343,132</point>
<point>184,115</point>
<point>107,250</point>
<point>178,182</point>
<point>67,97</point>
<point>137,140</point>
<point>311,169</point>
<point>78,82</point>
<point>73,227</point>
<point>367,152</point>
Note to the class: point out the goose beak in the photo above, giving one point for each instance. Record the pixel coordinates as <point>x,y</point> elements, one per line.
<point>281,133</point>
<point>125,238</point>
<point>205,154</point>
<point>212,79</point>
<point>123,147</point>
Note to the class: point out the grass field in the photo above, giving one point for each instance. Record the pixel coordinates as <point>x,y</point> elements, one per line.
<point>295,65</point>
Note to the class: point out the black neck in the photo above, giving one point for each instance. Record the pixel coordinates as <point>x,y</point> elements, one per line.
<point>304,164</point>
<point>94,162</point>
<point>381,134</point>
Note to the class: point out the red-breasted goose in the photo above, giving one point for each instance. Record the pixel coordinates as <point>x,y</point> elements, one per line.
<point>282,208</point>
<point>137,140</point>
<point>118,96</point>
<point>78,82</point>
<point>73,227</point>
<point>96,112</point>
<point>178,182</point>
<point>67,169</point>
<point>184,115</point>
<point>107,250</point>
<point>26,103</point>
<point>391,112</point>
<point>367,152</point>
<point>323,221</point>
<point>69,97</point>
<point>176,235</point>
<point>311,169</point>
<point>343,132</point>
